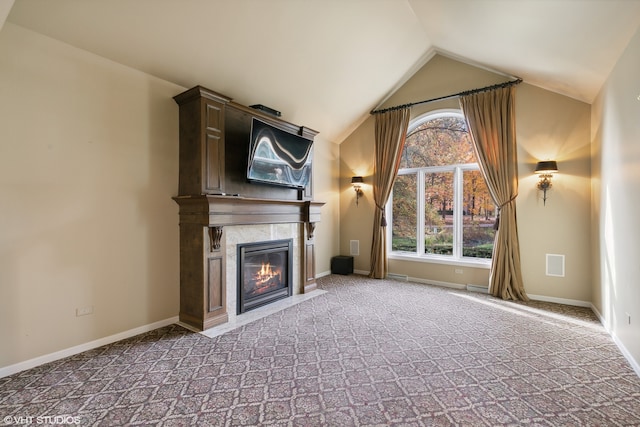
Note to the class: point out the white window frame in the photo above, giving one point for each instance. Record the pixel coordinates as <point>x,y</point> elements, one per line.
<point>456,258</point>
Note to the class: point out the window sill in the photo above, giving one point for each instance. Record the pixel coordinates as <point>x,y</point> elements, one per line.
<point>467,262</point>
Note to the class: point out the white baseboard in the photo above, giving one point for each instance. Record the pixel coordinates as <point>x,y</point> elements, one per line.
<point>635,365</point>
<point>323,274</point>
<point>600,317</point>
<point>51,357</point>
<point>627,355</point>
<point>565,301</point>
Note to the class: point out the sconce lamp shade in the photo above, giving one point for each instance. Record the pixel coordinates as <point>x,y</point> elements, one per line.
<point>546,167</point>
<point>356,180</point>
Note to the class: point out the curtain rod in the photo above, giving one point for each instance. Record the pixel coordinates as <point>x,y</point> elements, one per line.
<point>455,95</point>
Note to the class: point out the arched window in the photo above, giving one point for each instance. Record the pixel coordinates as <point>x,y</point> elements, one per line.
<point>440,207</point>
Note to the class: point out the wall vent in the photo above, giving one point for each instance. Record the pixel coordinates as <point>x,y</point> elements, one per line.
<point>478,288</point>
<point>555,265</point>
<point>354,247</point>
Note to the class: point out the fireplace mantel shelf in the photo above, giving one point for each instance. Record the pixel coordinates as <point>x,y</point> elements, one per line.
<point>217,211</point>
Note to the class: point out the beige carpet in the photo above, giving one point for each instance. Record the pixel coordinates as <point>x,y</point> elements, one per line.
<point>366,353</point>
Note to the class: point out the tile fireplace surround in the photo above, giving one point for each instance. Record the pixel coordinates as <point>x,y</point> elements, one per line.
<point>254,234</point>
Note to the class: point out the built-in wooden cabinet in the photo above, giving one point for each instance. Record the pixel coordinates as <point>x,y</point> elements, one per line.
<point>214,193</point>
<point>202,148</point>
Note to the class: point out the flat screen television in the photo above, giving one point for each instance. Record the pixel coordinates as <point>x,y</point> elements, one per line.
<point>277,157</point>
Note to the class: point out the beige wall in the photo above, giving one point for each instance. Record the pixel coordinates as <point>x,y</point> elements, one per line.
<point>88,166</point>
<point>552,126</point>
<point>548,126</point>
<point>356,159</point>
<point>616,201</point>
<point>326,173</point>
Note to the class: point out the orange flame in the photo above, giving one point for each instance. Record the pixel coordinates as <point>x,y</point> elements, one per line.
<point>265,275</point>
<point>266,270</point>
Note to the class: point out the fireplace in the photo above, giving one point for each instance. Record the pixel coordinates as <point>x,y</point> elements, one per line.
<point>217,205</point>
<point>264,273</point>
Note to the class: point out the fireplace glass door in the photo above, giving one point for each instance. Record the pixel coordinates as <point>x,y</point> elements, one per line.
<point>264,273</point>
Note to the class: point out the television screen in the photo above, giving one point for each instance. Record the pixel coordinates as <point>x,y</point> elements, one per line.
<point>278,157</point>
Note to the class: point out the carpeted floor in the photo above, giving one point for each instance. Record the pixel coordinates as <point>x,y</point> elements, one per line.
<point>366,353</point>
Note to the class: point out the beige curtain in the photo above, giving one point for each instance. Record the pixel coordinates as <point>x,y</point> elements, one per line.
<point>491,121</point>
<point>391,134</point>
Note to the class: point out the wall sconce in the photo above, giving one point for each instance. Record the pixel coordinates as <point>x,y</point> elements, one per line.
<point>356,182</point>
<point>546,170</point>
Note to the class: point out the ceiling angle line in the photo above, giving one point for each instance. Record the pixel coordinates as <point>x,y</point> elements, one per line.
<point>455,95</point>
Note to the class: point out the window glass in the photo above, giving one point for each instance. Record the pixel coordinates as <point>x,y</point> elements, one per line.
<point>440,205</point>
<point>405,214</point>
<point>438,218</point>
<point>439,141</point>
<point>478,217</point>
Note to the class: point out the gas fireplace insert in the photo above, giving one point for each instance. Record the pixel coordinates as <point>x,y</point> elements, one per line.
<point>264,273</point>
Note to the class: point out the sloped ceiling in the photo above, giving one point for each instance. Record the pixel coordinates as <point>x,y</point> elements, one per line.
<point>326,63</point>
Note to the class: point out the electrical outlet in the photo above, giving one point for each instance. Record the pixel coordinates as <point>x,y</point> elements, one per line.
<point>83,311</point>
<point>458,271</point>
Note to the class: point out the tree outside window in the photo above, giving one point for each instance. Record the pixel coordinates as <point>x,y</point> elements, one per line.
<point>440,205</point>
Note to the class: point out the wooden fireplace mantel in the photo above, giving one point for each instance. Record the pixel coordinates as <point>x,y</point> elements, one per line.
<point>202,254</point>
<point>213,155</point>
<point>219,211</point>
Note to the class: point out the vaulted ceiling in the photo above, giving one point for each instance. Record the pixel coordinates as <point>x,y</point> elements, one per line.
<point>326,63</point>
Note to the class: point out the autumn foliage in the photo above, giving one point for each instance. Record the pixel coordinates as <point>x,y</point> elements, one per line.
<point>436,152</point>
